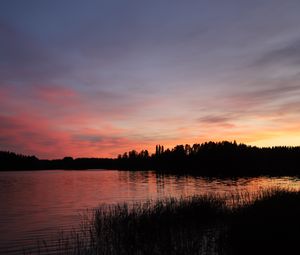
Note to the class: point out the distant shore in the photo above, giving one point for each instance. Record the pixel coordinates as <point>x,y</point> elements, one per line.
<point>207,159</point>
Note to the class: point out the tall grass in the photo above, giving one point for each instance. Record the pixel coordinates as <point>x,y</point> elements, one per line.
<point>264,223</point>
<point>172,226</point>
<point>270,224</point>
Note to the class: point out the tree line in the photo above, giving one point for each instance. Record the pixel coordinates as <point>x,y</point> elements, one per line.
<point>209,158</point>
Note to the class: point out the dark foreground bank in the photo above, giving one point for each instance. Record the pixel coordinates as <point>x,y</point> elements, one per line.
<point>267,223</point>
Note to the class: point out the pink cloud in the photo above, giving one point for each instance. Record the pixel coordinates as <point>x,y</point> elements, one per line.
<point>28,134</point>
<point>55,94</point>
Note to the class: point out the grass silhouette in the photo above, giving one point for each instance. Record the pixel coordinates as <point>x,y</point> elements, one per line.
<point>264,223</point>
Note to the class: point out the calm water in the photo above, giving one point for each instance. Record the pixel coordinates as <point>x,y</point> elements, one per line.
<point>37,205</point>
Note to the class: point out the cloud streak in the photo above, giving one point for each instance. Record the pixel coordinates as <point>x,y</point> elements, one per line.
<point>287,54</point>
<point>101,78</point>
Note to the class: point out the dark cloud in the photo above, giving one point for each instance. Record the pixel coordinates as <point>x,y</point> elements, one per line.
<point>89,138</point>
<point>8,123</point>
<point>99,140</point>
<point>25,60</point>
<point>287,54</point>
<point>222,120</point>
<point>265,95</point>
<point>215,119</point>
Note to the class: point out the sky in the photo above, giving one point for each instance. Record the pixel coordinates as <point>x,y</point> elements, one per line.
<point>97,78</point>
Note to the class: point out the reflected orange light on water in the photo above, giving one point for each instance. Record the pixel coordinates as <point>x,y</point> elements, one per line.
<point>41,203</point>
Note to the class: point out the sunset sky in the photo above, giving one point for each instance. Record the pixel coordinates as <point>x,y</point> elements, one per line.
<point>98,78</point>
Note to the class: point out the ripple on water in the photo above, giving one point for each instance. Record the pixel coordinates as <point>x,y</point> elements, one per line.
<point>37,205</point>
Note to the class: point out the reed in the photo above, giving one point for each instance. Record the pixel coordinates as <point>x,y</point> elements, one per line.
<point>263,223</point>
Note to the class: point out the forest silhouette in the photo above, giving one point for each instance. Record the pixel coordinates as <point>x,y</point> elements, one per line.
<point>209,159</point>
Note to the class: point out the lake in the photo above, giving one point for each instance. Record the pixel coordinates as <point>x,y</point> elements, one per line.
<point>37,205</point>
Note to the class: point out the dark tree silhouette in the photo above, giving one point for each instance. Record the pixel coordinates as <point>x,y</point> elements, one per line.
<point>210,158</point>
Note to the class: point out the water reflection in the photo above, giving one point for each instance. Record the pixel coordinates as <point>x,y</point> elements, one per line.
<point>35,205</point>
